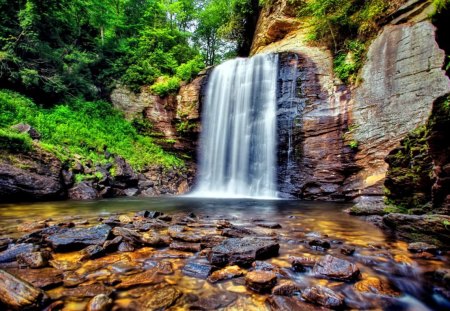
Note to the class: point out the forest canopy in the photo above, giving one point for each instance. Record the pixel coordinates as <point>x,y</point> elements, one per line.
<point>58,49</point>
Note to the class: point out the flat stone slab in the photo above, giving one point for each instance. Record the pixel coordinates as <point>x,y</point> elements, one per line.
<point>335,268</point>
<point>14,250</point>
<point>76,238</point>
<point>242,251</point>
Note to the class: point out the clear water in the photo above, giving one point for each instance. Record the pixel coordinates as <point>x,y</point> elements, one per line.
<point>238,141</point>
<point>377,255</point>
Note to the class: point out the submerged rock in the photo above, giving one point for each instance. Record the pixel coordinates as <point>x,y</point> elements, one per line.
<point>226,273</point>
<point>160,299</point>
<point>420,247</point>
<point>260,281</point>
<point>198,270</point>
<point>145,278</point>
<point>99,303</point>
<point>242,251</point>
<point>323,296</point>
<point>70,239</point>
<point>335,268</point>
<point>14,250</point>
<point>19,295</point>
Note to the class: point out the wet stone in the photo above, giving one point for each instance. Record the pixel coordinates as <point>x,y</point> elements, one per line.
<point>65,265</point>
<point>14,250</point>
<point>43,278</point>
<point>31,226</point>
<point>82,291</point>
<point>99,303</point>
<point>319,244</point>
<point>125,219</point>
<point>72,279</point>
<point>265,266</point>
<point>92,252</point>
<point>419,247</point>
<point>130,236</point>
<point>242,251</point>
<point>160,299</point>
<point>237,232</point>
<point>148,277</point>
<point>226,274</point>
<point>260,281</point>
<point>185,247</point>
<point>347,250</point>
<point>112,245</point>
<point>323,296</point>
<point>32,260</point>
<point>125,247</point>
<point>214,302</point>
<point>284,303</point>
<point>210,241</point>
<point>4,242</point>
<point>76,238</point>
<point>300,264</point>
<point>198,270</point>
<point>288,288</point>
<point>162,267</point>
<point>376,286</point>
<point>336,268</point>
<point>19,295</point>
<point>269,225</point>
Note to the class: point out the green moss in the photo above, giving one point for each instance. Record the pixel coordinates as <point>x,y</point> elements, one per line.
<point>15,142</point>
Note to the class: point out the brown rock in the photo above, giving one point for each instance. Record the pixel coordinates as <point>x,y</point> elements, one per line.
<point>82,291</point>
<point>145,278</point>
<point>335,268</point>
<point>288,288</point>
<point>323,296</point>
<point>160,299</point>
<point>14,250</point>
<point>265,266</point>
<point>125,219</point>
<point>125,247</point>
<point>260,281</point>
<point>283,303</point>
<point>420,247</point>
<point>301,263</point>
<point>19,295</point>
<point>270,225</point>
<point>99,303</point>
<point>31,226</point>
<point>32,260</point>
<point>111,245</point>
<point>185,247</point>
<point>215,301</point>
<point>225,274</point>
<point>198,270</point>
<point>43,278</point>
<point>242,251</point>
<point>376,286</point>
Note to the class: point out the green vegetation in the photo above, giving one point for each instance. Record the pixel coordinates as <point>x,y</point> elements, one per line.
<point>14,142</point>
<point>440,5</point>
<point>345,26</point>
<point>79,129</point>
<point>55,50</point>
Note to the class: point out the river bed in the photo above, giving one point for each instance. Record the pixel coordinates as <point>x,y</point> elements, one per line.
<point>389,277</point>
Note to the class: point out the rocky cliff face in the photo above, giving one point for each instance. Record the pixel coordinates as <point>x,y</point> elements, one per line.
<point>334,140</point>
<point>175,118</point>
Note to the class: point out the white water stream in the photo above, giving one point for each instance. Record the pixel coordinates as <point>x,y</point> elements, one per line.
<point>238,141</point>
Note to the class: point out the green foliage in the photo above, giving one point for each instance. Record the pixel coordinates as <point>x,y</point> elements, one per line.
<point>440,5</point>
<point>187,71</point>
<point>353,144</point>
<point>345,26</point>
<point>85,129</point>
<point>14,142</point>
<point>165,85</point>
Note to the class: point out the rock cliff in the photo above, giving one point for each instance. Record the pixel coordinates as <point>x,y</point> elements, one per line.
<point>334,139</point>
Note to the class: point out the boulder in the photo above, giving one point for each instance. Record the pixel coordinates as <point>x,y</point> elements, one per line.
<point>226,274</point>
<point>28,129</point>
<point>260,281</point>
<point>99,303</point>
<point>160,298</point>
<point>198,270</point>
<point>419,247</point>
<point>242,251</point>
<point>83,191</point>
<point>300,264</point>
<point>76,238</point>
<point>323,296</point>
<point>288,288</point>
<point>19,295</point>
<point>14,250</point>
<point>335,268</point>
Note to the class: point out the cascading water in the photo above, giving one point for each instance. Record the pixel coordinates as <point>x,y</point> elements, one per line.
<point>238,141</point>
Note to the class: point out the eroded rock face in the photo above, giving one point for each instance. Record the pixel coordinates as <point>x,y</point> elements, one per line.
<point>30,176</point>
<point>401,79</point>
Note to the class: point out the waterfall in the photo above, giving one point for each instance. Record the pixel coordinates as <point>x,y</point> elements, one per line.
<point>238,140</point>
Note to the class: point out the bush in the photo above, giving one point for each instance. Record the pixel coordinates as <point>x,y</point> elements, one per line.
<point>14,142</point>
<point>165,85</point>
<point>81,128</point>
<point>190,69</point>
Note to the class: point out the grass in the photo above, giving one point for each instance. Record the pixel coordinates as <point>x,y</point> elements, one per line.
<point>80,129</point>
